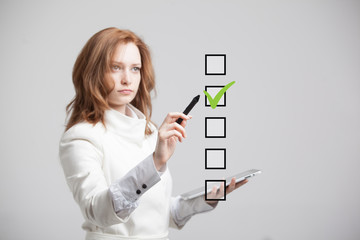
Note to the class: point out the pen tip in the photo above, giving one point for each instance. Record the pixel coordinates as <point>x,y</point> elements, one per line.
<point>197,97</point>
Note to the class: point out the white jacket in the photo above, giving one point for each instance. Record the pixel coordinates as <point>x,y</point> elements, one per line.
<point>94,157</point>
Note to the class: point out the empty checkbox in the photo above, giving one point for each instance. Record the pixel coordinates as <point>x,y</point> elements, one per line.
<point>215,64</point>
<point>215,127</point>
<point>215,158</point>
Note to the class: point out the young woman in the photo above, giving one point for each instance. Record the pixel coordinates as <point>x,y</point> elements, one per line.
<point>113,157</point>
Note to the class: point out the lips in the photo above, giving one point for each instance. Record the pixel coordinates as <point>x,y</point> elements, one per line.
<point>125,91</point>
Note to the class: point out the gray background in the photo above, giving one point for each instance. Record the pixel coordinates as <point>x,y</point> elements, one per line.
<point>294,111</point>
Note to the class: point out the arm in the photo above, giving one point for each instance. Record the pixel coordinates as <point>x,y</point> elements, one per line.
<point>81,159</point>
<point>103,205</point>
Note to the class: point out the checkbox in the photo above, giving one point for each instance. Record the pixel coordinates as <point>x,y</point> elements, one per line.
<point>213,90</point>
<point>215,127</point>
<point>215,158</point>
<point>215,64</point>
<point>209,185</point>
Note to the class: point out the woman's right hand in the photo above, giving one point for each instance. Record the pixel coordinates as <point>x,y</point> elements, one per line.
<point>168,134</point>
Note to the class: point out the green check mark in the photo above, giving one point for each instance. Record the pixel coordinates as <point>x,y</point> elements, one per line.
<point>214,101</point>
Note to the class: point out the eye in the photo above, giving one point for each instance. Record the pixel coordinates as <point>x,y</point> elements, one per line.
<point>136,69</point>
<point>115,68</point>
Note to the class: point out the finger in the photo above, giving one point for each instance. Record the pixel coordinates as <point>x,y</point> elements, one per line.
<point>173,116</point>
<point>239,184</point>
<point>214,192</point>
<point>212,195</point>
<point>231,186</point>
<point>174,125</point>
<point>183,123</point>
<point>178,137</point>
<point>178,128</point>
<point>221,191</point>
<point>168,134</point>
<point>173,139</point>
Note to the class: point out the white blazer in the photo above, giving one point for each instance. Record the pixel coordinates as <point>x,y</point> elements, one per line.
<point>93,157</point>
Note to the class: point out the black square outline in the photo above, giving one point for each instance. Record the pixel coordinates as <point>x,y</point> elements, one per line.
<point>224,96</point>
<point>213,55</point>
<point>215,149</point>
<point>206,118</point>
<point>216,180</point>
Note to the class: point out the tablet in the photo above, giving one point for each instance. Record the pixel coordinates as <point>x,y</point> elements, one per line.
<point>201,190</point>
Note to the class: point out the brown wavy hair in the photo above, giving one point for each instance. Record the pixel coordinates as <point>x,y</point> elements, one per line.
<point>91,88</point>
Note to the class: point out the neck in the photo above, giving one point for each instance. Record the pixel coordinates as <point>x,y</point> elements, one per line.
<point>121,108</point>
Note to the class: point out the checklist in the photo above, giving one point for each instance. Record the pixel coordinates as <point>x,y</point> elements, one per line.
<point>215,126</point>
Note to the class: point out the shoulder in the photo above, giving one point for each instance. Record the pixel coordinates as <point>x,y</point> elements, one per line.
<point>85,131</point>
<point>80,148</point>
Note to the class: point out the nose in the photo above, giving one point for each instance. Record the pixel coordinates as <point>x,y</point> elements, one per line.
<point>125,78</point>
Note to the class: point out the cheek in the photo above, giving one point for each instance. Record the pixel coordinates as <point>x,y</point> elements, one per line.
<point>110,87</point>
<point>111,98</point>
<point>138,80</point>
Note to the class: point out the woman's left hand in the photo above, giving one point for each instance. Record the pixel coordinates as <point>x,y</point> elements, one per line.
<point>218,193</point>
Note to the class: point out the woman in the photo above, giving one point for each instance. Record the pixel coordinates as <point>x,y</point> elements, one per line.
<point>113,157</point>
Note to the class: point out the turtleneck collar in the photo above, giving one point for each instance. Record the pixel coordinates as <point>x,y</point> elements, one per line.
<point>131,128</point>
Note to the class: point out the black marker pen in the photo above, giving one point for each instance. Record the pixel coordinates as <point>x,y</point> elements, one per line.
<point>189,107</point>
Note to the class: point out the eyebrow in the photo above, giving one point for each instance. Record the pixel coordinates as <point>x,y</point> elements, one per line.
<point>136,64</point>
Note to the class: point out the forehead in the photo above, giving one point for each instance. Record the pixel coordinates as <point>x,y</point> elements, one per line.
<point>127,53</point>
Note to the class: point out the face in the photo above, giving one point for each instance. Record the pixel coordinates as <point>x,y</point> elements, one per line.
<point>124,75</point>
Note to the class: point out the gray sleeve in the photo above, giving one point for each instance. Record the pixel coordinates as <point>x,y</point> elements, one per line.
<point>126,191</point>
<point>182,210</point>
